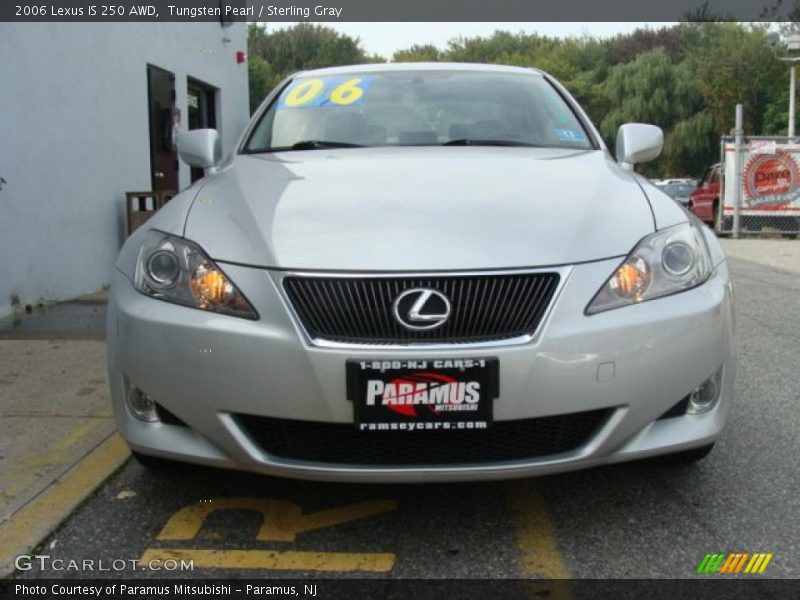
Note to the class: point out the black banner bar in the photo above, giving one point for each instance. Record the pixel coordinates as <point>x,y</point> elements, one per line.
<point>708,587</point>
<point>393,11</point>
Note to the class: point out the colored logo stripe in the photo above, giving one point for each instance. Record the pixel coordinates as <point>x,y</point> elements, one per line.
<point>758,563</point>
<point>722,563</point>
<point>734,562</point>
<point>711,563</point>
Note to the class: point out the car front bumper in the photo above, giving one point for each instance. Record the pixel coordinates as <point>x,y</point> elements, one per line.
<point>637,362</point>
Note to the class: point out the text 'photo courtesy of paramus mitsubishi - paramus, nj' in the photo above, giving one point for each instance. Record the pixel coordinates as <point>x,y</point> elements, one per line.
<point>420,272</point>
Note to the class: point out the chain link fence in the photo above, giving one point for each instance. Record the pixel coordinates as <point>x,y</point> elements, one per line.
<point>755,189</point>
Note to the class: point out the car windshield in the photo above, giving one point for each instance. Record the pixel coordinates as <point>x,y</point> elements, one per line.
<point>678,190</point>
<point>418,108</point>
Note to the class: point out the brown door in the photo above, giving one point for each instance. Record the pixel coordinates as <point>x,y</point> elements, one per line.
<point>164,121</point>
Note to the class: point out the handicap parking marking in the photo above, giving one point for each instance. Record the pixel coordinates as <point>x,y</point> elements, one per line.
<point>281,521</point>
<point>275,560</point>
<point>237,524</point>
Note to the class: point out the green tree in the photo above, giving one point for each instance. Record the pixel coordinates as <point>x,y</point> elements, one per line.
<point>651,89</point>
<point>776,115</point>
<point>690,146</point>
<point>261,77</point>
<point>733,63</point>
<point>418,53</point>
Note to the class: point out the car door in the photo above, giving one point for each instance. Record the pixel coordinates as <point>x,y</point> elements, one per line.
<point>701,202</point>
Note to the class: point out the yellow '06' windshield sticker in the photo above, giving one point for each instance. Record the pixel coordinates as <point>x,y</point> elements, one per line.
<point>325,91</point>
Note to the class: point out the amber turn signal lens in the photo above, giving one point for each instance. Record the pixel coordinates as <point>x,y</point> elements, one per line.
<point>210,286</point>
<point>631,279</point>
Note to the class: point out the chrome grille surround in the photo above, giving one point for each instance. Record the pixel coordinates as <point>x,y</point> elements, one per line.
<point>364,300</point>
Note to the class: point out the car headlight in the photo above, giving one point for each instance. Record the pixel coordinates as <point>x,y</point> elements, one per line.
<point>666,262</point>
<point>176,270</point>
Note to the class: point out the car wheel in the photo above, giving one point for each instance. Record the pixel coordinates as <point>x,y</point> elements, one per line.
<point>686,457</point>
<point>153,462</point>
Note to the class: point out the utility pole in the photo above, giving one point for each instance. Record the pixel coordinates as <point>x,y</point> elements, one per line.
<point>793,45</point>
<point>737,172</point>
<point>792,94</point>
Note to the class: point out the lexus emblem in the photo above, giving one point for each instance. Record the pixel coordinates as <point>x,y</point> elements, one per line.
<point>421,308</point>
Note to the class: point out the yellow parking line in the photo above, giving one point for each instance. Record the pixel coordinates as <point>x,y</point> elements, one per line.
<point>33,522</point>
<point>22,471</point>
<point>74,436</point>
<point>275,560</point>
<point>281,520</point>
<point>535,533</point>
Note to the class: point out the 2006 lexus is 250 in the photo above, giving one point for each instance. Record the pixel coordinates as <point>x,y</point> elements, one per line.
<point>420,272</point>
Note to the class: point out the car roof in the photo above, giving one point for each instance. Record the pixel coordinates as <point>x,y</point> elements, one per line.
<point>419,66</point>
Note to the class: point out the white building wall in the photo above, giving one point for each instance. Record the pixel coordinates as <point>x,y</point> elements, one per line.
<point>74,137</point>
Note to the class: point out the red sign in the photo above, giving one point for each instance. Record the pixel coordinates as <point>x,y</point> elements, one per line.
<point>771,179</point>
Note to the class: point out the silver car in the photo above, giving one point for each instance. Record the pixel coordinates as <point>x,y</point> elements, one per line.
<point>678,191</point>
<point>420,272</point>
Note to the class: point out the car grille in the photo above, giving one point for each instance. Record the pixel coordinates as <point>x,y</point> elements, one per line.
<point>343,444</point>
<point>359,310</point>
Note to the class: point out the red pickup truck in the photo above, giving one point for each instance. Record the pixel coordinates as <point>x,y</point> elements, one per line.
<point>704,201</point>
<point>770,190</point>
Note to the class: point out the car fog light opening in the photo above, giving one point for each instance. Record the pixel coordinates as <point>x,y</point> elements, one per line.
<point>142,406</point>
<point>703,398</point>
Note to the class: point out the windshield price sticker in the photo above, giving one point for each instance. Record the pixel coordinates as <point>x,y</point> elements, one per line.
<point>325,91</point>
<point>569,135</point>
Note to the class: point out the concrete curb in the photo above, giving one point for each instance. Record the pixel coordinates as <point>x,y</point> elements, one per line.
<point>38,518</point>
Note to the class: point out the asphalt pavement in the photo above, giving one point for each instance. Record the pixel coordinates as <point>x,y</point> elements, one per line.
<point>636,520</point>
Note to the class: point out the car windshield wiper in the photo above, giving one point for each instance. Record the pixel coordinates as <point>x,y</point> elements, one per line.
<point>476,142</point>
<point>317,144</point>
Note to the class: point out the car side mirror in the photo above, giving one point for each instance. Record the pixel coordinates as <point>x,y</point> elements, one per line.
<point>638,143</point>
<point>200,148</point>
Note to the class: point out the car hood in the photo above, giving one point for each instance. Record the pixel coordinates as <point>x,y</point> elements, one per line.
<point>419,208</point>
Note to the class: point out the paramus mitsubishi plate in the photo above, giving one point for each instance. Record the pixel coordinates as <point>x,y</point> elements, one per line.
<point>420,272</point>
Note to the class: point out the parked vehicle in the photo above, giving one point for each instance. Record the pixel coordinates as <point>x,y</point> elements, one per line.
<point>420,272</point>
<point>768,188</point>
<point>704,201</point>
<point>678,191</point>
<point>686,180</point>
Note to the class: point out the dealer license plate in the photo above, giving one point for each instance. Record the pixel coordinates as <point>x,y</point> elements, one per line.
<point>422,395</point>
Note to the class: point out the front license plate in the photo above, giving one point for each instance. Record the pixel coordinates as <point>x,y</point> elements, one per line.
<point>422,395</point>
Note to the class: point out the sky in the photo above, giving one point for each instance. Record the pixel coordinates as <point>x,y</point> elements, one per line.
<point>385,38</point>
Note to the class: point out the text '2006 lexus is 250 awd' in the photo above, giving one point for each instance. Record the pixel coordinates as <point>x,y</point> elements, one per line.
<point>420,272</point>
